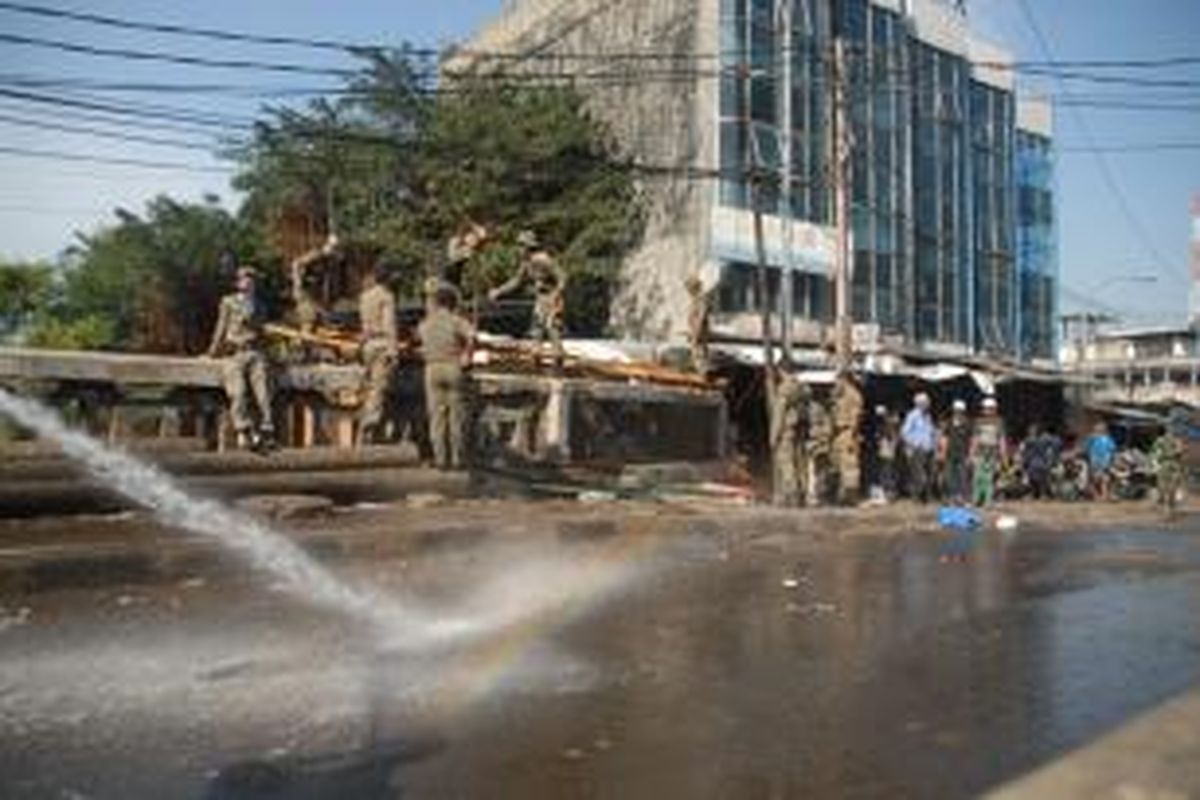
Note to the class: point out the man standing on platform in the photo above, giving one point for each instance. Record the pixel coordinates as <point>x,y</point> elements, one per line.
<point>377,315</point>
<point>238,339</point>
<point>920,446</point>
<point>789,411</point>
<point>847,419</point>
<point>447,341</point>
<point>818,450</point>
<point>549,286</point>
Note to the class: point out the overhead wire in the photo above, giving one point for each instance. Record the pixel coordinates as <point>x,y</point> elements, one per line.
<point>59,155</point>
<point>173,58</point>
<point>1106,172</point>
<point>154,141</point>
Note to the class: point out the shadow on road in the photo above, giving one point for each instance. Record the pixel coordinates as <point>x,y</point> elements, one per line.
<point>370,774</point>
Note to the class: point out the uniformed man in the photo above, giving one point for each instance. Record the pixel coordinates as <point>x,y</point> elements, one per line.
<point>789,412</point>
<point>238,339</point>
<point>698,324</point>
<point>308,308</point>
<point>549,282</point>
<point>1168,455</point>
<point>447,341</point>
<point>847,412</point>
<point>987,453</point>
<point>819,449</point>
<point>956,446</point>
<point>377,316</point>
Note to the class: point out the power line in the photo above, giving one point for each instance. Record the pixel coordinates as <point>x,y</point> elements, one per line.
<point>58,155</point>
<point>1106,172</point>
<point>127,109</point>
<point>186,30</point>
<point>1141,147</point>
<point>156,56</point>
<point>73,115</point>
<point>102,134</point>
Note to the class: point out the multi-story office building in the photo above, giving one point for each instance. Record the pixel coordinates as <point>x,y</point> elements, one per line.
<point>950,170</point>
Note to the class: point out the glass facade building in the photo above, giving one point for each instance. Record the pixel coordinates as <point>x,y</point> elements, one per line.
<point>950,204</point>
<point>1036,245</point>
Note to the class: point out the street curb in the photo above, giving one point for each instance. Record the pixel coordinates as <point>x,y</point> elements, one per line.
<point>1155,757</point>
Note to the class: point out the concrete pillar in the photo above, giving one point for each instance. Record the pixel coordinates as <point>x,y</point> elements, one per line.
<point>116,424</point>
<point>170,424</point>
<point>722,433</point>
<point>556,423</point>
<point>308,425</point>
<point>343,428</point>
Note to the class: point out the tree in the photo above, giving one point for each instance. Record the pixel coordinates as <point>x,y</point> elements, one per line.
<point>151,282</point>
<point>25,289</point>
<point>399,168</point>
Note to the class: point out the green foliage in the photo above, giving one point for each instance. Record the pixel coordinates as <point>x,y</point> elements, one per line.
<point>154,280</point>
<point>92,332</point>
<point>390,168</point>
<point>25,289</point>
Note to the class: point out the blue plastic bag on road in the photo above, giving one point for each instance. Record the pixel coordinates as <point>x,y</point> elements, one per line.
<point>957,518</point>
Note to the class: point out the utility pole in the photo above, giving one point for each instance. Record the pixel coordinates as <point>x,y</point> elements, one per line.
<point>754,177</point>
<point>843,258</point>
<point>785,58</point>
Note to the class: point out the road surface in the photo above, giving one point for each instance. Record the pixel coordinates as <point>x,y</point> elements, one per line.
<point>721,662</point>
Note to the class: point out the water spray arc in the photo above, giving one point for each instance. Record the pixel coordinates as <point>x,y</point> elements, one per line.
<point>251,540</point>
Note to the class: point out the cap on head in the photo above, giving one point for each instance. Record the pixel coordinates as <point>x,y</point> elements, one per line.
<point>527,239</point>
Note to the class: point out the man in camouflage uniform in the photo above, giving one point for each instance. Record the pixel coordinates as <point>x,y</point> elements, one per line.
<point>446,343</point>
<point>377,315</point>
<point>819,449</point>
<point>308,309</point>
<point>549,282</point>
<point>698,324</point>
<point>1168,455</point>
<point>847,412</point>
<point>789,411</point>
<point>238,338</point>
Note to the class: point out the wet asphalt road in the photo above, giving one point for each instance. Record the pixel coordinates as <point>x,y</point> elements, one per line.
<point>719,664</point>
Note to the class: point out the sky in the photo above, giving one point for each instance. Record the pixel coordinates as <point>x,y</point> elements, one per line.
<point>1124,217</point>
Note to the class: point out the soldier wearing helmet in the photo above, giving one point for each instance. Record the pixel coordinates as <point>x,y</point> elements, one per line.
<point>539,269</point>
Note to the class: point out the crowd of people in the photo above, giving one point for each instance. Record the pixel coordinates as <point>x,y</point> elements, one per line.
<point>971,459</point>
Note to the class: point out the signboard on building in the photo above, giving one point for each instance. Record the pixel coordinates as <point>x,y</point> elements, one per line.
<point>789,244</point>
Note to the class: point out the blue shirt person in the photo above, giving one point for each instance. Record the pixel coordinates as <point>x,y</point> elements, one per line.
<point>920,442</point>
<point>1101,450</point>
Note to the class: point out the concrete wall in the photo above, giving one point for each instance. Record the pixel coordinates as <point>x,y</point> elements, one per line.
<point>667,120</point>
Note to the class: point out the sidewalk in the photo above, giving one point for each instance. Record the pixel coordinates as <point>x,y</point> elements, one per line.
<point>1155,757</point>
